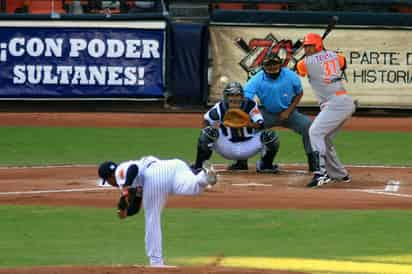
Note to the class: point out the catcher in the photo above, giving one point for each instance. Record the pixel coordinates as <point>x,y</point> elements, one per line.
<point>233,128</point>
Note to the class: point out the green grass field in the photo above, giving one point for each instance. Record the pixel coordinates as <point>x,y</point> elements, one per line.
<point>342,241</point>
<point>40,146</point>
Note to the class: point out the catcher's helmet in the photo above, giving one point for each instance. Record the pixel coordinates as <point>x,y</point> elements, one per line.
<point>313,39</point>
<point>233,88</point>
<point>106,169</point>
<point>233,93</point>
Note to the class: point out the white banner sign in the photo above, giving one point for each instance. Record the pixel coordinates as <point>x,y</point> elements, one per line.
<point>379,72</point>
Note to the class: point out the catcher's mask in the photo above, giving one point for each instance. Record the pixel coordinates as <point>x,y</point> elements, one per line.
<point>272,65</point>
<point>106,169</point>
<point>313,39</point>
<point>233,94</point>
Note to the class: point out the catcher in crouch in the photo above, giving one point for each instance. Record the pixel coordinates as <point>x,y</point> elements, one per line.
<point>233,127</point>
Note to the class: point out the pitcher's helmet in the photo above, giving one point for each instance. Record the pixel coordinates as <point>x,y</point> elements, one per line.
<point>106,169</point>
<point>313,39</point>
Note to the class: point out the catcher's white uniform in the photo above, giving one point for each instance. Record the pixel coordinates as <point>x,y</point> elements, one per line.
<point>159,178</point>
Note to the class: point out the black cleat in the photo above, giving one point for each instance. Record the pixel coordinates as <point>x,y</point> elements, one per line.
<point>262,168</point>
<point>238,165</point>
<point>195,170</point>
<point>319,180</point>
<point>347,179</point>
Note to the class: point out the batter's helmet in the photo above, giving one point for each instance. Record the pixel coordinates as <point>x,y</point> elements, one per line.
<point>313,39</point>
<point>106,169</point>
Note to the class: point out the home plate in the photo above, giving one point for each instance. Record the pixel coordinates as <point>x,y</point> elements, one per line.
<point>392,186</point>
<point>251,184</point>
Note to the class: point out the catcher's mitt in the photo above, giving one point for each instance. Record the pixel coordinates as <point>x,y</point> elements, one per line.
<point>236,118</point>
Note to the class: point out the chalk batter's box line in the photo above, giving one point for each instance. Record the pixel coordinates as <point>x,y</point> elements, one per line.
<point>30,192</point>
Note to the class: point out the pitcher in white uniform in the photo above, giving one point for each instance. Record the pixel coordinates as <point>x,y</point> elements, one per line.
<point>237,144</point>
<point>153,180</point>
<point>324,69</point>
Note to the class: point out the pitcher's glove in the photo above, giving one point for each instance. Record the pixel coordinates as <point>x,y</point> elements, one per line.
<point>123,203</point>
<point>129,202</point>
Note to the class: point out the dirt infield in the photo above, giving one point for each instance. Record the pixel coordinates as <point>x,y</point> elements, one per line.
<point>371,188</point>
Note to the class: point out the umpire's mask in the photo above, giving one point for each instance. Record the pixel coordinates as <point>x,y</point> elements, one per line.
<point>272,65</point>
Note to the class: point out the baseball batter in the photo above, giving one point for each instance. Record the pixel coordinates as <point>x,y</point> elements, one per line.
<point>153,180</point>
<point>324,70</point>
<point>237,143</point>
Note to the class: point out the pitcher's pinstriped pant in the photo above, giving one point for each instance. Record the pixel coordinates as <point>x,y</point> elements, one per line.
<point>160,179</point>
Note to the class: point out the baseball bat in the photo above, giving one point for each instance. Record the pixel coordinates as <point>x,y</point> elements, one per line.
<point>242,45</point>
<point>328,29</point>
<point>330,26</point>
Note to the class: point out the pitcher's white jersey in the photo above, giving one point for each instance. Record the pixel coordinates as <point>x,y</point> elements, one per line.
<point>121,172</point>
<point>142,164</point>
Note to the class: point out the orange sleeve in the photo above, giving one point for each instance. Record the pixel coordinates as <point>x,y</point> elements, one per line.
<point>301,68</point>
<point>342,61</point>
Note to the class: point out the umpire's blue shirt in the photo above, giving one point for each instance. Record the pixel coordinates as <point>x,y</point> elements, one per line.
<point>275,95</point>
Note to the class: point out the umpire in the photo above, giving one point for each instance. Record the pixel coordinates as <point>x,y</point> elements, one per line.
<point>279,91</point>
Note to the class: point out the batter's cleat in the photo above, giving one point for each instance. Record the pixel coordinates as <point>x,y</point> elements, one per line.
<point>319,179</point>
<point>347,179</point>
<point>238,165</point>
<point>262,168</point>
<point>195,170</point>
<point>211,173</point>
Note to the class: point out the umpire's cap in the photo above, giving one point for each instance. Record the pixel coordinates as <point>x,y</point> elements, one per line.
<point>106,169</point>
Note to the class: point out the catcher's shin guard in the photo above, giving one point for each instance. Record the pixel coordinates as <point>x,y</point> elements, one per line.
<point>271,145</point>
<point>204,145</point>
<point>313,161</point>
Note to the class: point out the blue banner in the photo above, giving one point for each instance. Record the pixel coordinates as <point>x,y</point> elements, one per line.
<point>71,62</point>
